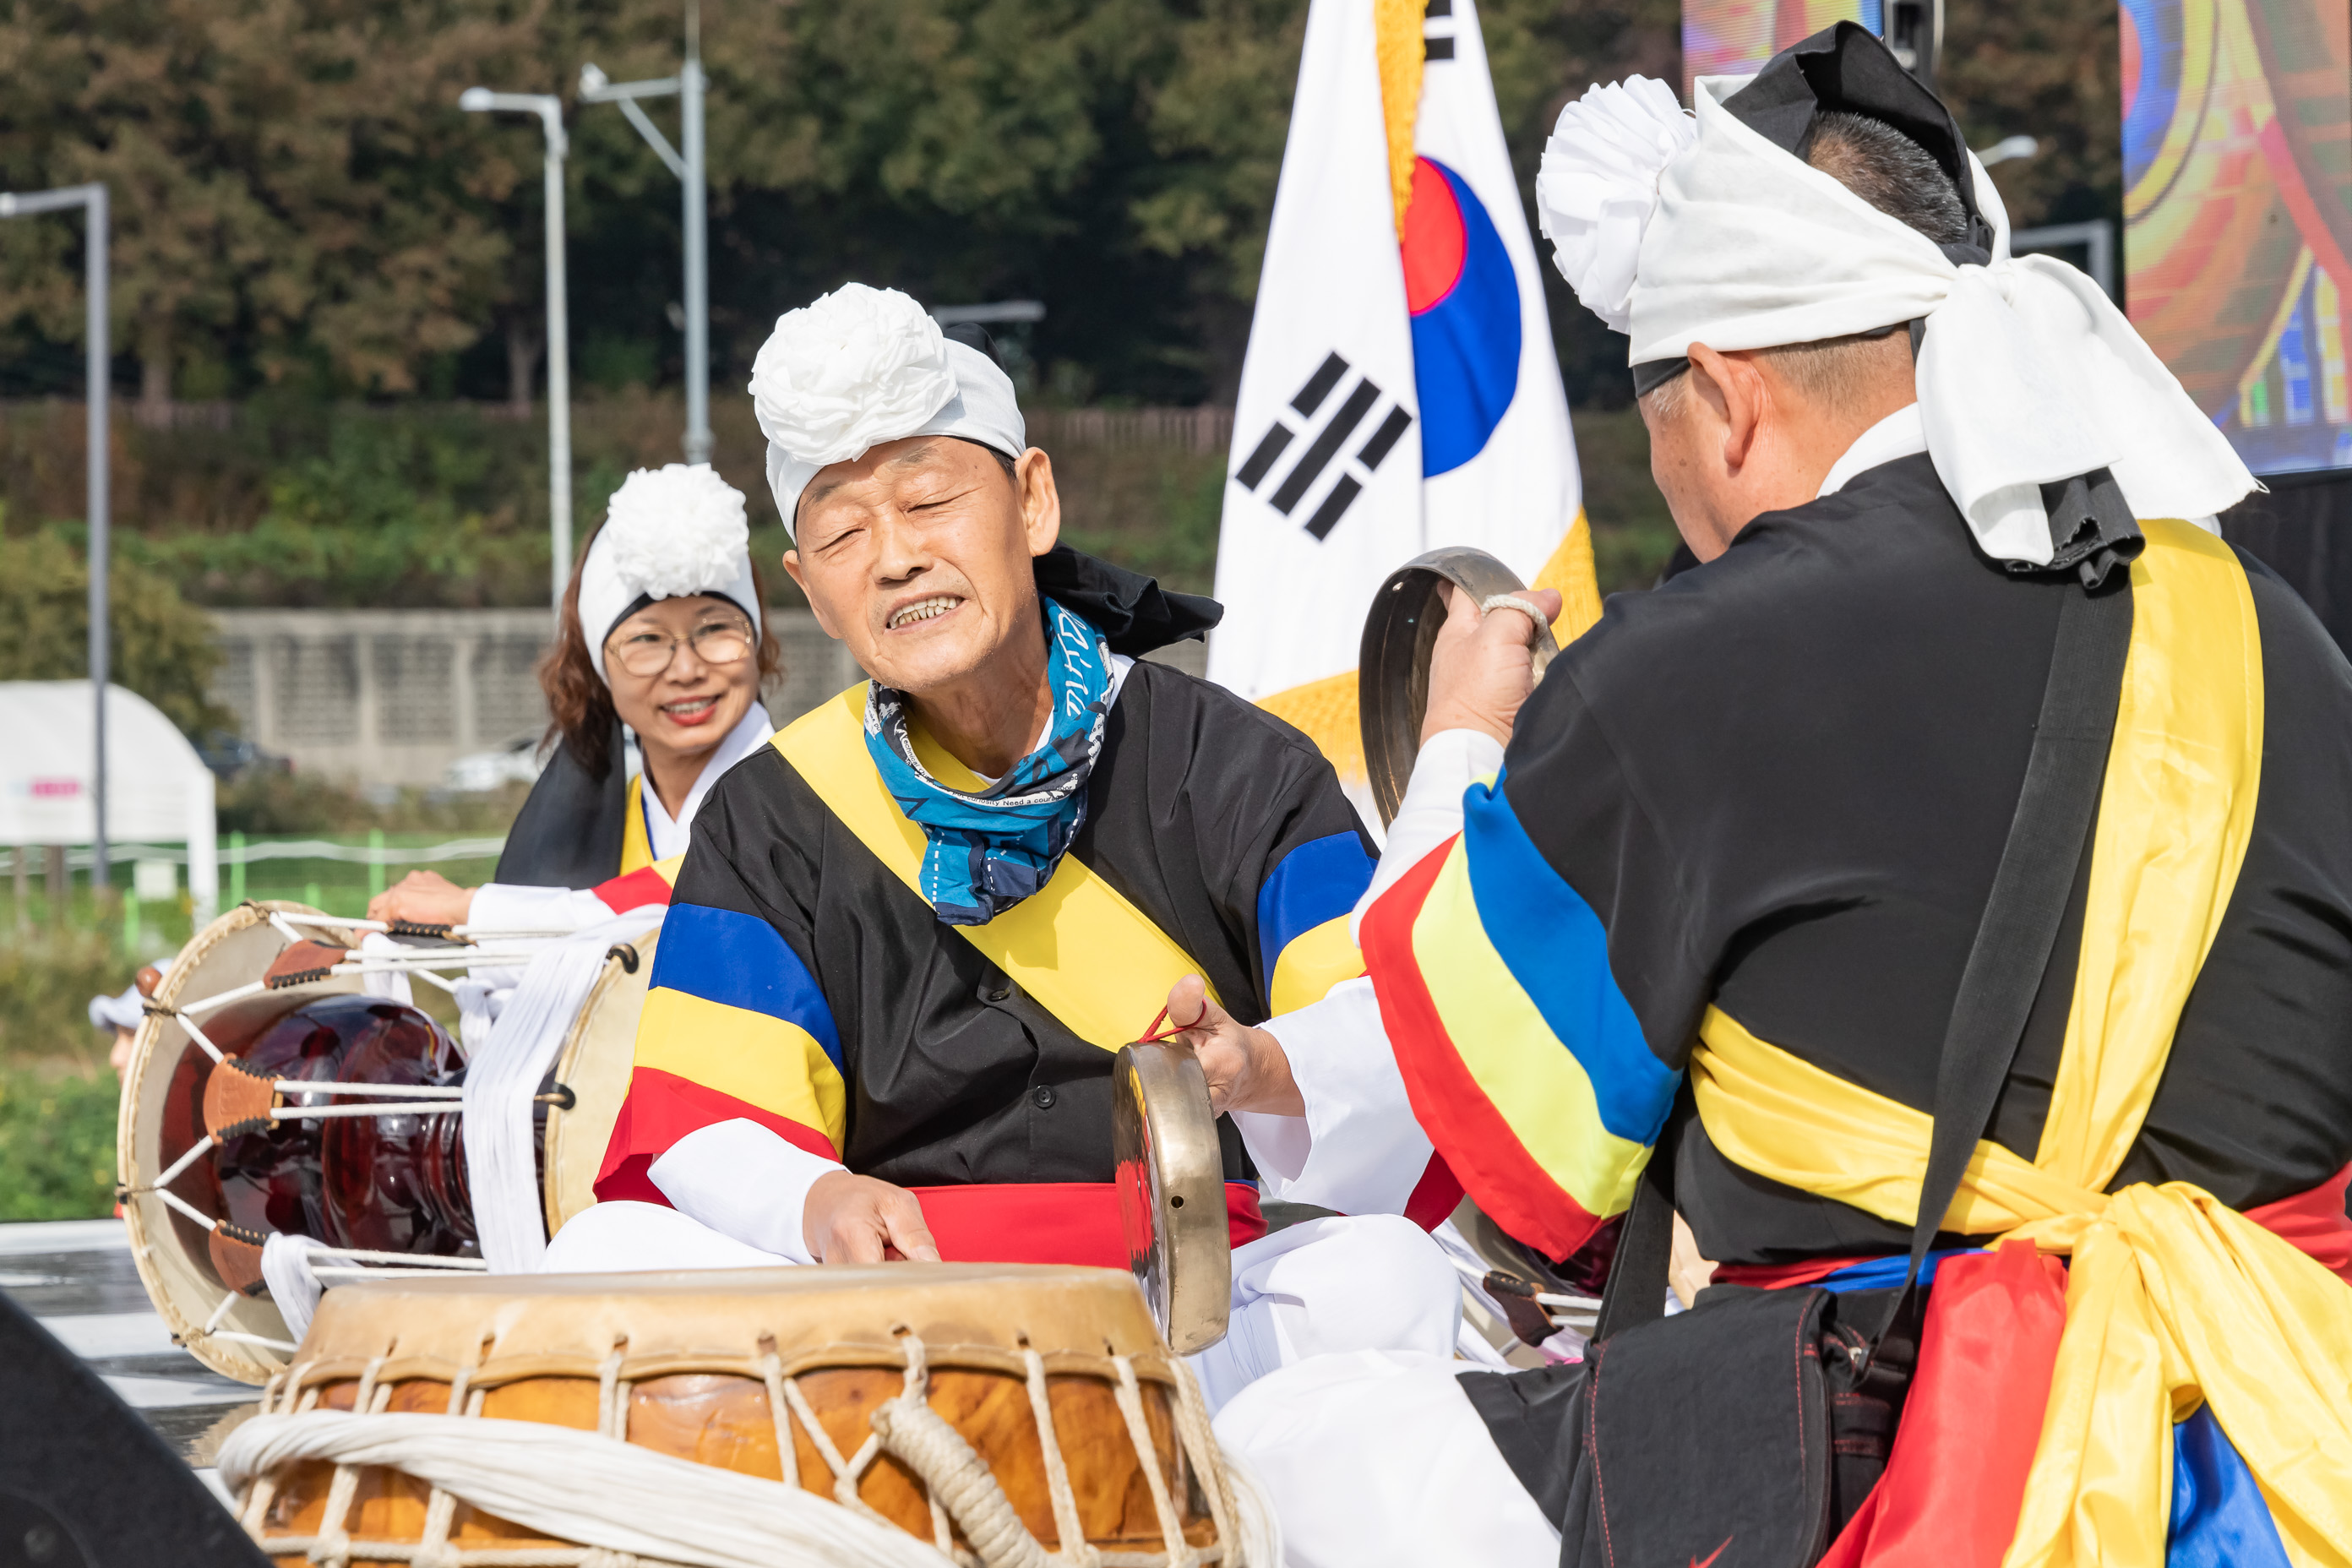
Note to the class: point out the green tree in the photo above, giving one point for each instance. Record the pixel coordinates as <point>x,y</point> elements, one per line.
<point>288,173</point>
<point>2050,69</point>
<point>163,647</point>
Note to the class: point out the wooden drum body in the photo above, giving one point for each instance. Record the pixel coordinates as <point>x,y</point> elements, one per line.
<point>785,1374</point>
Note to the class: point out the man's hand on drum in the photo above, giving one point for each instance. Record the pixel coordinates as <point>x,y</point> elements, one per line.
<point>859,1219</point>
<point>1482,666</point>
<point>1247,1068</point>
<point>423,898</point>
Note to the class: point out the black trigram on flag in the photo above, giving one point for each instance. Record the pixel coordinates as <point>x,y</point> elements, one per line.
<point>1344,422</point>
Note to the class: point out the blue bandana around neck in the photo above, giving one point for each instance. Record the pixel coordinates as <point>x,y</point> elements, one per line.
<point>987,851</point>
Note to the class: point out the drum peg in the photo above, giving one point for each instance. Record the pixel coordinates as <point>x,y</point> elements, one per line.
<point>626,954</point>
<point>560,1097</point>
<point>438,930</point>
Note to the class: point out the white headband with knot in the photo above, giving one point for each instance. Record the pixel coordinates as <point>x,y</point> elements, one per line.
<point>668,533</point>
<point>2027,375</point>
<point>861,367</point>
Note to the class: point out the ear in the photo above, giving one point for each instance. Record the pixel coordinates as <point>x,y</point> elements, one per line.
<point>1735,389</point>
<point>1040,502</point>
<point>817,608</point>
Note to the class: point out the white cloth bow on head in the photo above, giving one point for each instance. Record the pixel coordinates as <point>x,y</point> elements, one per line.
<point>1598,187</point>
<point>2027,373</point>
<point>861,367</point>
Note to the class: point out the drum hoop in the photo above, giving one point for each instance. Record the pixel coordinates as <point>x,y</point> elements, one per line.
<point>155,1248</point>
<point>616,971</point>
<point>1392,664</point>
<point>497,1372</point>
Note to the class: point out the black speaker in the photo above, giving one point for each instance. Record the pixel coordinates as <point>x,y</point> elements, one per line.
<point>84,1482</point>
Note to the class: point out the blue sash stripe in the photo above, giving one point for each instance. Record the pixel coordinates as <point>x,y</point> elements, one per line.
<point>2219,1516</point>
<point>1317,881</point>
<point>1554,946</point>
<point>740,961</point>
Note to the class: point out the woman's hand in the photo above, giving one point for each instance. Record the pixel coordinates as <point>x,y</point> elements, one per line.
<point>860,1219</point>
<point>1247,1068</point>
<point>1483,665</point>
<point>423,898</point>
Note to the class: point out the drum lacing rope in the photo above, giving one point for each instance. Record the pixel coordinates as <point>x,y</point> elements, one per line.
<point>959,1480</point>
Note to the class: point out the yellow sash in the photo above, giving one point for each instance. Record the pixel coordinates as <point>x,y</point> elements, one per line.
<point>1089,957</point>
<point>636,849</point>
<point>2173,1298</point>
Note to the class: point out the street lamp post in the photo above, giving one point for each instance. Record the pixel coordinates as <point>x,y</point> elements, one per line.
<point>550,110</point>
<point>595,87</point>
<point>97,359</point>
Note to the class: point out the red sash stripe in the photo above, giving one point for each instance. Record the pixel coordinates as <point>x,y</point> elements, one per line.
<point>1472,1138</point>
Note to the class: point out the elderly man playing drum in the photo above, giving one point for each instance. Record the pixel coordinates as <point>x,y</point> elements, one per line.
<point>911,933</point>
<point>1945,881</point>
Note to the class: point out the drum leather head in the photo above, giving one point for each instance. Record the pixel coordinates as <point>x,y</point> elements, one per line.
<point>568,1324</point>
<point>595,1065</point>
<point>1170,1176</point>
<point>175,1257</point>
<point>1393,667</point>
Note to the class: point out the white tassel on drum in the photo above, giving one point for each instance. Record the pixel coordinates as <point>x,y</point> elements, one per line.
<point>501,1077</point>
<point>579,1486</point>
<point>387,985</point>
<point>294,1290</point>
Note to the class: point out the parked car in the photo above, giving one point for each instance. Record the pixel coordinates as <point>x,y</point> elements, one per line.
<point>517,762</point>
<point>229,754</point>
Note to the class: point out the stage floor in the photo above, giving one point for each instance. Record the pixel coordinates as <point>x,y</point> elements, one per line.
<point>76,1277</point>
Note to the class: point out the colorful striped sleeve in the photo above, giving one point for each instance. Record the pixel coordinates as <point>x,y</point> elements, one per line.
<point>1523,1060</point>
<point>734,1026</point>
<point>1304,944</point>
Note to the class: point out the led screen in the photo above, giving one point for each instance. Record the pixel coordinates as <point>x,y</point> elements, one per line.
<point>1735,37</point>
<point>2237,147</point>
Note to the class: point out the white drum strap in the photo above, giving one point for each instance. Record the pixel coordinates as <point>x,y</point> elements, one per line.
<point>501,1172</point>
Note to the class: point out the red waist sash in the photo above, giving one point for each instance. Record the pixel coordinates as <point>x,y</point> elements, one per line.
<point>2314,1221</point>
<point>1050,1221</point>
<point>1965,1446</point>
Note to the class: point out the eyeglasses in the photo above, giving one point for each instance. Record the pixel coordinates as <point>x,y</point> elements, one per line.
<point>643,653</point>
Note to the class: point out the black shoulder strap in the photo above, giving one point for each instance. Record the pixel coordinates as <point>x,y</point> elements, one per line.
<point>2063,775</point>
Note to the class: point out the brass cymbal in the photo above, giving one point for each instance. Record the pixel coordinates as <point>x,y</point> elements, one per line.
<point>1393,669</point>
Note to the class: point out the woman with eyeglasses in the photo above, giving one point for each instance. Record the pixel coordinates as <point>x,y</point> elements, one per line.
<point>661,637</point>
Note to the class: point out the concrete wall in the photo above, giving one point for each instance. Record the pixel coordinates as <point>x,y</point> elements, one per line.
<point>393,697</point>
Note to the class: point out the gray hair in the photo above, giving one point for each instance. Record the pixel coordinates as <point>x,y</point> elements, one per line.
<point>1901,179</point>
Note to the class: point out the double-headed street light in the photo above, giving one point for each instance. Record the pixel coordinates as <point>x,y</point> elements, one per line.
<point>97,359</point>
<point>595,87</point>
<point>550,110</point>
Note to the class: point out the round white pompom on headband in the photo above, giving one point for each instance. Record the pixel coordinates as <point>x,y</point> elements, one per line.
<point>861,367</point>
<point>1598,187</point>
<point>668,533</point>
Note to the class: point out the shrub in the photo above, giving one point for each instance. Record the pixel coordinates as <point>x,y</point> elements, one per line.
<point>163,647</point>
<point>56,1144</point>
<point>47,979</point>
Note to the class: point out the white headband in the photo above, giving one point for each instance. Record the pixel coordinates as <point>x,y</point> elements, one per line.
<point>861,367</point>
<point>668,533</point>
<point>2027,375</point>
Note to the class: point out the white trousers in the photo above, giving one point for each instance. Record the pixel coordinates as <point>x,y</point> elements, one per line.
<point>1377,1460</point>
<point>1334,1285</point>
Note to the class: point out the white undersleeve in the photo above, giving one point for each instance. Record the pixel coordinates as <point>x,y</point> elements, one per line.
<point>507,905</point>
<point>1431,811</point>
<point>743,1181</point>
<point>1359,1149</point>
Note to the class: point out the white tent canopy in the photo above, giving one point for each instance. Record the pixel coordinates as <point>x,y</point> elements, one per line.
<point>158,790</point>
